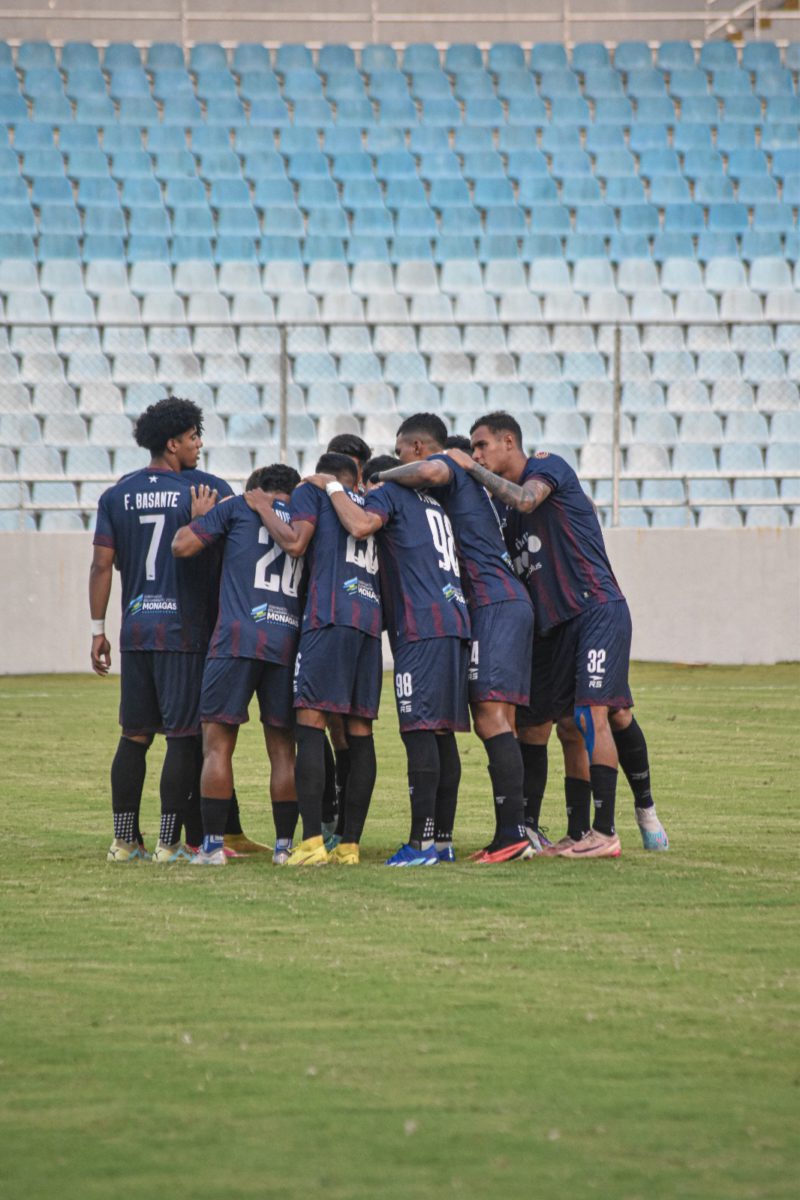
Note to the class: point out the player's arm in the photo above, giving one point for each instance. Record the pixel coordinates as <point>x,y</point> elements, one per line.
<point>423,474</point>
<point>100,575</point>
<point>186,543</point>
<point>526,498</point>
<point>356,520</point>
<point>293,537</point>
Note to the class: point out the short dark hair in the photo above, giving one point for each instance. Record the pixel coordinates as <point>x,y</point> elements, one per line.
<point>381,462</point>
<point>337,464</point>
<point>428,424</point>
<point>352,445</point>
<point>457,441</point>
<point>278,477</point>
<point>167,418</point>
<point>499,422</point>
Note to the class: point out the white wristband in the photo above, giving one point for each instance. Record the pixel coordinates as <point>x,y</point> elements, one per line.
<point>333,488</point>
<point>98,628</point>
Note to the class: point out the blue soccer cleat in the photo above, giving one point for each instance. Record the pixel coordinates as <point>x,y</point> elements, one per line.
<point>407,856</point>
<point>447,854</point>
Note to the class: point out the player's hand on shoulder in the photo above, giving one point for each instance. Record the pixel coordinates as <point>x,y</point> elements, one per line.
<point>461,457</point>
<point>320,480</point>
<point>101,654</point>
<point>204,497</point>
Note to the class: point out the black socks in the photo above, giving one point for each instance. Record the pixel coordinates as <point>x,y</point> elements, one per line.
<point>506,774</point>
<point>362,770</point>
<point>284,814</point>
<point>127,781</point>
<point>423,783</point>
<point>604,790</point>
<point>330,804</point>
<point>578,795</point>
<point>176,786</point>
<point>447,791</point>
<point>215,817</point>
<point>310,777</point>
<point>342,758</point>
<point>632,751</point>
<point>534,763</point>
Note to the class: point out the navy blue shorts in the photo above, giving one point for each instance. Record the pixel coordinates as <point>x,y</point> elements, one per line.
<point>500,652</point>
<point>229,685</point>
<point>160,692</point>
<point>584,661</point>
<point>340,670</point>
<point>430,684</point>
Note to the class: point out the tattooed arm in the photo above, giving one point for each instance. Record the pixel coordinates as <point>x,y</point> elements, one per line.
<point>526,498</point>
<point>423,474</point>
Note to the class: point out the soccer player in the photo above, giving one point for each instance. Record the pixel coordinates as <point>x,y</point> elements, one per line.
<point>457,441</point>
<point>428,625</point>
<point>583,626</point>
<point>251,652</point>
<point>501,619</point>
<point>165,620</point>
<point>337,761</point>
<point>339,660</point>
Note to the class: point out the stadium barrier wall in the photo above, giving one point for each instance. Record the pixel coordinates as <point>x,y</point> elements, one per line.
<point>729,596</point>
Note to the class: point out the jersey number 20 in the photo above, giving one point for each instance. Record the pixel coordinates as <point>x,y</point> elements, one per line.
<point>288,580</point>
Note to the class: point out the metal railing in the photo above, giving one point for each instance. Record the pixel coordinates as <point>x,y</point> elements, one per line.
<point>616,398</point>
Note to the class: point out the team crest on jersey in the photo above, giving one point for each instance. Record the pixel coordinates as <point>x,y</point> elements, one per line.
<point>542,454</point>
<point>151,604</point>
<point>453,593</point>
<point>358,587</point>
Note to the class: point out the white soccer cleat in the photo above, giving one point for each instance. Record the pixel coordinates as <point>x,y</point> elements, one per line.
<point>654,835</point>
<point>214,858</point>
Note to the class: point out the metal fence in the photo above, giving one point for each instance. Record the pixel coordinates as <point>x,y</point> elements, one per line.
<point>656,418</point>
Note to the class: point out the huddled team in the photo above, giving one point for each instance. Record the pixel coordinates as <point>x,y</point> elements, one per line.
<point>486,568</point>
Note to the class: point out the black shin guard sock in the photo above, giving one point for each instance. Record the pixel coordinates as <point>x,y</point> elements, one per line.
<point>215,817</point>
<point>192,817</point>
<point>604,790</point>
<point>128,770</point>
<point>505,772</point>
<point>342,772</point>
<point>309,774</point>
<point>330,806</point>
<point>632,751</point>
<point>578,795</point>
<point>534,766</point>
<point>234,822</point>
<point>284,815</point>
<point>447,791</point>
<point>360,785</point>
<point>423,783</point>
<point>176,786</point>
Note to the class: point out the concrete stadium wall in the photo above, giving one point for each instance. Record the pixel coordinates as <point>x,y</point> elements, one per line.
<point>360,21</point>
<point>697,596</point>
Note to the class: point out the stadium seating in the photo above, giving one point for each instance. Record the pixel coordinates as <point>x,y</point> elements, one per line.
<point>476,217</point>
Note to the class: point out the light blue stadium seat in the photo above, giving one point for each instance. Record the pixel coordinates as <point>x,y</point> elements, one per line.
<point>269,111</point>
<point>774,83</point>
<point>693,134</point>
<point>779,395</point>
<point>259,85</point>
<point>717,190</point>
<point>601,82</point>
<point>785,427</point>
<point>527,111</point>
<point>547,56</point>
<point>83,81</point>
<point>293,56</point>
<point>251,56</point>
<point>688,83</point>
<point>703,427</point>
<point>473,85</point>
<point>669,189</point>
<point>656,110</point>
<point>378,57</point>
<point>757,189</point>
<point>344,85</point>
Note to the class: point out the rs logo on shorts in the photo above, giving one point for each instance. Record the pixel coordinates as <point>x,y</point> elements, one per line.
<point>595,665</point>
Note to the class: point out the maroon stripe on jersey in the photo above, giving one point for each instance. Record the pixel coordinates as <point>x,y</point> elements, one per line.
<point>438,623</point>
<point>101,539</point>
<point>199,532</point>
<point>261,644</point>
<point>597,589</point>
<point>236,638</point>
<point>160,636</point>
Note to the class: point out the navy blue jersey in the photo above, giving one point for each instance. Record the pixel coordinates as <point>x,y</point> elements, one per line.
<point>488,573</point>
<point>343,586</point>
<point>422,592</point>
<point>259,602</point>
<point>558,549</point>
<point>167,603</point>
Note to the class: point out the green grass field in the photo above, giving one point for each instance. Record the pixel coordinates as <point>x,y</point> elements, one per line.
<point>552,1029</point>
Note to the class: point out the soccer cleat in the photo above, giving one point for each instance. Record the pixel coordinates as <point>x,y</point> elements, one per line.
<point>478,854</point>
<point>309,853</point>
<point>124,852</point>
<point>242,845</point>
<point>593,845</point>
<point>280,855</point>
<point>171,854</point>
<point>538,838</point>
<point>331,841</point>
<point>346,854</point>
<point>654,835</point>
<point>209,858</point>
<point>446,854</point>
<point>407,856</point>
<point>516,852</point>
<point>230,853</point>
<point>553,849</point>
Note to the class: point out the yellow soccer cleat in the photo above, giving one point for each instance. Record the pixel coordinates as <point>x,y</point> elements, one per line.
<point>346,854</point>
<point>124,852</point>
<point>241,844</point>
<point>171,854</point>
<point>310,853</point>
